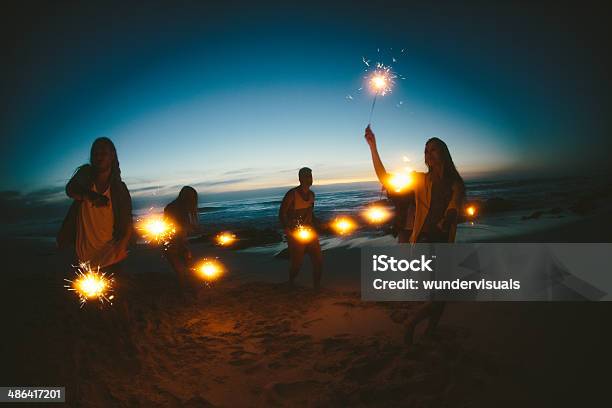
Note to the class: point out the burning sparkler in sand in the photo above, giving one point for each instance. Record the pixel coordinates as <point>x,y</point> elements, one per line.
<point>225,239</point>
<point>156,229</point>
<point>209,270</point>
<point>471,211</point>
<point>304,234</point>
<point>91,284</point>
<point>343,225</point>
<point>376,214</point>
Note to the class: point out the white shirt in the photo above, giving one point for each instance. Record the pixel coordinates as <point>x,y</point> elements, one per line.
<point>94,234</point>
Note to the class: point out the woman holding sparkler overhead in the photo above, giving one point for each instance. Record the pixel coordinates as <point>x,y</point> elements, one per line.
<point>296,215</point>
<point>99,222</point>
<point>183,213</point>
<point>439,196</point>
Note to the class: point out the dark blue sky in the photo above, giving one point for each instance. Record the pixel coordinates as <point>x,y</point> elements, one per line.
<point>238,96</point>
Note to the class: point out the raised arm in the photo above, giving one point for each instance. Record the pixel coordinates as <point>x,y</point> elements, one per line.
<point>379,168</point>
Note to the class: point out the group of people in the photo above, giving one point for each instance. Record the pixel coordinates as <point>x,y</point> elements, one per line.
<point>99,227</point>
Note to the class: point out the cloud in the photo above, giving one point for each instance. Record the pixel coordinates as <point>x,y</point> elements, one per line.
<point>39,204</point>
<point>141,189</point>
<point>215,183</point>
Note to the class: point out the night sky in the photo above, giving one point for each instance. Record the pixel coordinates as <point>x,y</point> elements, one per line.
<point>237,96</point>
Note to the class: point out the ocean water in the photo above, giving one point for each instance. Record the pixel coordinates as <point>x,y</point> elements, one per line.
<point>552,197</point>
<point>260,210</point>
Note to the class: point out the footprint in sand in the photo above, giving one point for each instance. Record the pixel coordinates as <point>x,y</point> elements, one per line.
<point>309,323</point>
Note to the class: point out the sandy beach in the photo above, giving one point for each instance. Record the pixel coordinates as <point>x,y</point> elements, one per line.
<point>250,340</point>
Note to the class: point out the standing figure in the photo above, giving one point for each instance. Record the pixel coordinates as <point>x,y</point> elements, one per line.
<point>99,221</point>
<point>297,210</point>
<point>98,225</point>
<point>183,213</point>
<point>439,195</point>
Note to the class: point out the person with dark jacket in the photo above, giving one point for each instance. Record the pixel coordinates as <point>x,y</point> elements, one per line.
<point>98,225</point>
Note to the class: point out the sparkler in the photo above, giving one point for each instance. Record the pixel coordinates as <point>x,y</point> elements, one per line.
<point>471,211</point>
<point>209,269</point>
<point>225,239</point>
<point>376,214</point>
<point>156,229</point>
<point>381,82</point>
<point>343,225</point>
<point>91,284</point>
<point>398,182</point>
<point>304,234</point>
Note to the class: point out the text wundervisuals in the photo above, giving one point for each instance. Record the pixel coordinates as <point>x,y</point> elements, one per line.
<point>457,284</point>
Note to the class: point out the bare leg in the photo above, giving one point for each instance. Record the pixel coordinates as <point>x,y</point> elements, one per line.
<point>437,308</point>
<point>179,266</point>
<point>421,314</point>
<point>316,256</point>
<point>296,257</point>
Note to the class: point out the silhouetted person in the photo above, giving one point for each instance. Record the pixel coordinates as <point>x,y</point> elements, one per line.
<point>98,226</point>
<point>183,212</point>
<point>439,196</point>
<point>99,223</point>
<point>297,209</point>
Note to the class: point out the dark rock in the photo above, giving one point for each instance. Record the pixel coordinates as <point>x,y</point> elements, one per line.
<point>583,206</point>
<point>533,216</point>
<point>498,204</point>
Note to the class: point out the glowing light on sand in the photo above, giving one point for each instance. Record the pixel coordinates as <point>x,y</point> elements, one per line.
<point>91,284</point>
<point>156,229</point>
<point>209,269</point>
<point>343,225</point>
<point>376,214</point>
<point>304,234</point>
<point>225,239</point>
<point>399,182</point>
<point>471,211</point>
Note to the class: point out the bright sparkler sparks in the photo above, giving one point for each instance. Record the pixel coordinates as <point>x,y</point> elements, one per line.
<point>399,182</point>
<point>209,269</point>
<point>471,211</point>
<point>343,225</point>
<point>376,214</point>
<point>382,79</point>
<point>381,82</point>
<point>156,229</point>
<point>225,239</point>
<point>91,284</point>
<point>304,234</point>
